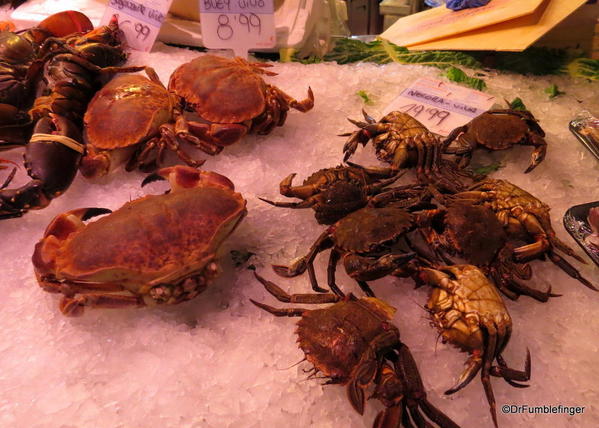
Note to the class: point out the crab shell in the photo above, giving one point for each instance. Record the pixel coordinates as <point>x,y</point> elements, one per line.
<point>501,131</point>
<point>127,111</point>
<point>368,228</point>
<point>221,90</point>
<point>475,232</point>
<point>147,249</point>
<point>335,338</point>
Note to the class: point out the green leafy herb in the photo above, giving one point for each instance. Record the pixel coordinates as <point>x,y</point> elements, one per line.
<point>239,257</point>
<point>382,52</point>
<point>553,91</point>
<point>517,104</point>
<point>538,61</point>
<point>364,95</point>
<point>487,169</point>
<point>584,67</point>
<point>456,75</point>
<point>310,60</point>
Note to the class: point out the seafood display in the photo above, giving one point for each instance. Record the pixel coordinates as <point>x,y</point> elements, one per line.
<point>165,252</point>
<point>454,251</point>
<point>233,98</point>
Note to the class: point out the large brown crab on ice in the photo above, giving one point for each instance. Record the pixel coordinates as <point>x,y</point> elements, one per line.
<point>231,96</point>
<point>159,249</point>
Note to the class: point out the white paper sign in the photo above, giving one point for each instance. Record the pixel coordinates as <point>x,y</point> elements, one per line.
<point>139,20</point>
<point>240,25</point>
<point>441,106</point>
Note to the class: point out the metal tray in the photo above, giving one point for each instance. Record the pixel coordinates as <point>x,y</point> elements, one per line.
<point>576,223</point>
<point>586,128</point>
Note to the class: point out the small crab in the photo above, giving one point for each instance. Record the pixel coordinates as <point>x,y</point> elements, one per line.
<point>127,119</point>
<point>353,343</point>
<point>232,97</point>
<point>469,313</point>
<point>474,233</point>
<point>498,130</point>
<point>525,218</point>
<point>153,250</point>
<point>335,192</point>
<point>365,241</point>
<point>403,142</point>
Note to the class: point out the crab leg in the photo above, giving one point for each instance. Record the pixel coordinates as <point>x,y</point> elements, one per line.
<point>303,106</point>
<point>298,267</point>
<point>282,296</point>
<point>74,306</point>
<point>331,269</point>
<point>301,192</point>
<point>537,156</point>
<point>281,312</point>
<point>570,270</point>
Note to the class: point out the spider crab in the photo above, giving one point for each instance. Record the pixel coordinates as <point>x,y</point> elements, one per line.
<point>231,96</point>
<point>525,218</point>
<point>352,342</point>
<point>469,313</point>
<point>154,250</point>
<point>365,241</point>
<point>473,233</point>
<point>403,142</point>
<point>335,192</point>
<point>498,130</point>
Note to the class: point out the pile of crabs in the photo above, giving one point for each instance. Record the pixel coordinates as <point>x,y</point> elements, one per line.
<point>66,96</point>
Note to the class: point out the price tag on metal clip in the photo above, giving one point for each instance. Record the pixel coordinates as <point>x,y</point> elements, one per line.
<point>441,106</point>
<point>240,25</point>
<point>140,20</point>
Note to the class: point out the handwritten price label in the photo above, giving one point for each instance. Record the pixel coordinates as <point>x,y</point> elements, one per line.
<point>240,25</point>
<point>140,21</point>
<point>441,106</point>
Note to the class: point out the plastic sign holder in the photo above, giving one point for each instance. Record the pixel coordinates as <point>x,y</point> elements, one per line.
<point>239,25</point>
<point>139,20</point>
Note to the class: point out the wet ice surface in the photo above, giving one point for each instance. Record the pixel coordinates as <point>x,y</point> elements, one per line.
<point>218,361</point>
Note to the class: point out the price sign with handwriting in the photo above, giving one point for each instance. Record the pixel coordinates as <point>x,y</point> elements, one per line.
<point>240,25</point>
<point>139,20</point>
<point>441,106</point>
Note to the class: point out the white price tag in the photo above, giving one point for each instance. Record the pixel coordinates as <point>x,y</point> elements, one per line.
<point>441,106</point>
<point>140,20</point>
<point>240,25</point>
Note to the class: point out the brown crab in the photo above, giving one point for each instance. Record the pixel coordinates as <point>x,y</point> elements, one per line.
<point>474,233</point>
<point>403,142</point>
<point>365,240</point>
<point>525,218</point>
<point>232,97</point>
<point>335,192</point>
<point>130,117</point>
<point>498,130</point>
<point>469,313</point>
<point>153,250</point>
<point>353,343</point>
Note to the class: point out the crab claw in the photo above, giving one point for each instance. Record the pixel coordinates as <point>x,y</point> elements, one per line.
<point>297,268</point>
<point>536,158</point>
